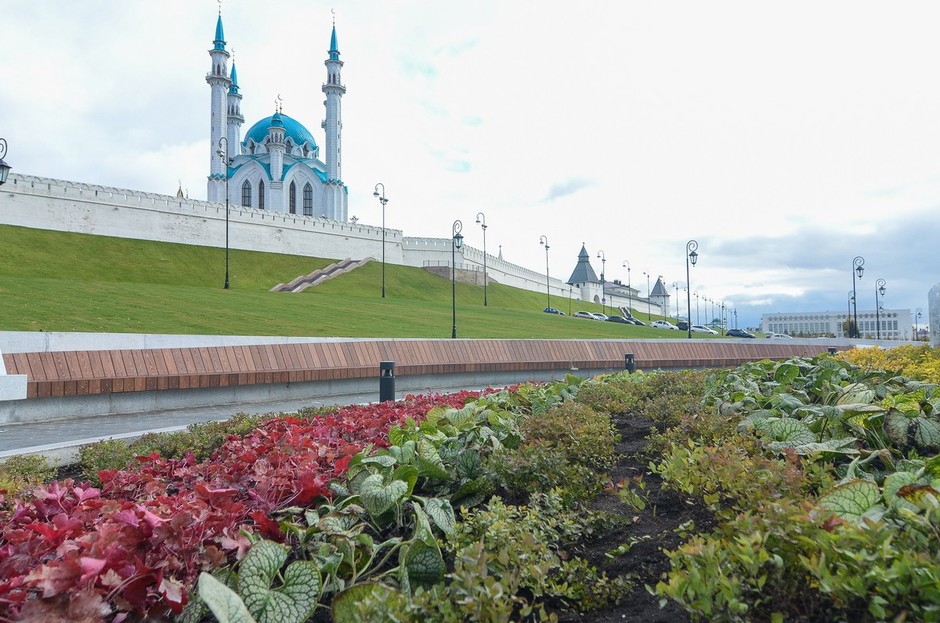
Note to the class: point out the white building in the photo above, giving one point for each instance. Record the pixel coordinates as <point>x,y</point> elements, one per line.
<point>895,324</point>
<point>277,166</point>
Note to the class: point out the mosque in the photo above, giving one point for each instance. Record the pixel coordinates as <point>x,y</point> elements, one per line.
<point>277,166</point>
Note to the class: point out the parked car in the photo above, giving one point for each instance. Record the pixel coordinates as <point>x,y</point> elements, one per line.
<point>619,319</point>
<point>553,310</point>
<point>664,324</point>
<point>778,336</point>
<point>739,333</point>
<point>599,316</point>
<point>638,322</point>
<point>584,314</point>
<point>700,328</point>
<point>683,325</point>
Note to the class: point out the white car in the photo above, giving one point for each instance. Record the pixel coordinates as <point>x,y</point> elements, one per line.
<point>700,328</point>
<point>664,324</point>
<point>599,316</point>
<point>778,336</point>
<point>584,314</point>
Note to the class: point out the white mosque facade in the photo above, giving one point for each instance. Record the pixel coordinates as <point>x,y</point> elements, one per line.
<point>277,166</point>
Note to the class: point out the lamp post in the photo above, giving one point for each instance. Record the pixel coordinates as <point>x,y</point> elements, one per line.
<point>675,288</point>
<point>383,201</point>
<point>4,167</point>
<point>721,320</point>
<point>858,267</point>
<point>603,258</point>
<point>690,256</point>
<point>879,289</point>
<point>570,290</point>
<point>548,296</point>
<point>223,153</point>
<point>481,219</point>
<point>917,316</point>
<point>649,312</point>
<point>735,317</point>
<point>629,294</point>
<point>456,243</point>
<point>848,317</point>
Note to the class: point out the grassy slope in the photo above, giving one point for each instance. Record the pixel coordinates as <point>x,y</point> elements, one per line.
<point>54,281</point>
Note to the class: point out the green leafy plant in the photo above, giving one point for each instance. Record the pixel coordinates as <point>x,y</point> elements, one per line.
<point>265,591</point>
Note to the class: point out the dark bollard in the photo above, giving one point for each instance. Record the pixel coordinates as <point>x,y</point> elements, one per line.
<point>387,381</point>
<point>832,350</point>
<point>629,363</point>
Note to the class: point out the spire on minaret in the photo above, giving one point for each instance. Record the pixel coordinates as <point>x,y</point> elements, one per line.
<point>220,102</point>
<point>333,126</point>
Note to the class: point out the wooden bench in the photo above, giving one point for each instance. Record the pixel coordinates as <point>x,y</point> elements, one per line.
<point>90,372</point>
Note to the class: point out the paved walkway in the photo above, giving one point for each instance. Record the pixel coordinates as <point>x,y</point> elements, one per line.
<point>59,440</point>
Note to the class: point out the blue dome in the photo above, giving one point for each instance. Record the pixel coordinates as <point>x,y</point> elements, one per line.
<point>293,130</point>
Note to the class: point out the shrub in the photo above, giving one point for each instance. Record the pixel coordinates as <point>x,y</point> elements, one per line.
<point>104,455</point>
<point>920,362</point>
<point>583,435</point>
<point>18,474</point>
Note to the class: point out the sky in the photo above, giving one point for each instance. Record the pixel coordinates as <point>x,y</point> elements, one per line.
<point>785,138</point>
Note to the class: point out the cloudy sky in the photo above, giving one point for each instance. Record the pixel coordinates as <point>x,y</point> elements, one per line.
<point>785,137</point>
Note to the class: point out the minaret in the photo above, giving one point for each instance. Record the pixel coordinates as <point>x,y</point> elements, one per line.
<point>276,148</point>
<point>333,126</point>
<point>235,119</point>
<point>219,83</point>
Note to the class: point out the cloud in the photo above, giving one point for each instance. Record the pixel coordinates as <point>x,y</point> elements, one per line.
<point>566,188</point>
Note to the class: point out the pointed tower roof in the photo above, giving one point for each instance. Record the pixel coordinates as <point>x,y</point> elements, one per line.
<point>660,288</point>
<point>334,49</point>
<point>583,272</point>
<point>234,87</point>
<point>219,35</point>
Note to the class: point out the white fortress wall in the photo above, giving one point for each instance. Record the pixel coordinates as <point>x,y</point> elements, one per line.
<point>422,252</point>
<point>44,203</point>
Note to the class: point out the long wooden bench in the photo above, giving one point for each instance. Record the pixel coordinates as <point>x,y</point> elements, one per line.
<point>90,372</point>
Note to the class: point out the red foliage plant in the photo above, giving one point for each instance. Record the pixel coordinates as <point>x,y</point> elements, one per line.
<point>138,544</point>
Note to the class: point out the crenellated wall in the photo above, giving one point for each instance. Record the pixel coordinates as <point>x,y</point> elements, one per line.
<point>45,203</point>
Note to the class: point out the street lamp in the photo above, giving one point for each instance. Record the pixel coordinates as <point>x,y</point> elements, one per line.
<point>223,153</point>
<point>721,320</point>
<point>690,256</point>
<point>544,242</point>
<point>649,312</point>
<point>879,289</point>
<point>481,219</point>
<point>675,288</point>
<point>917,316</point>
<point>858,267</point>
<point>629,294</point>
<point>456,243</point>
<point>735,317</point>
<point>603,258</point>
<point>4,167</point>
<point>698,318</point>
<point>383,201</point>
<point>848,317</point>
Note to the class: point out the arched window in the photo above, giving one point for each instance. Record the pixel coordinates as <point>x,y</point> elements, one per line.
<point>261,195</point>
<point>246,194</point>
<point>292,198</point>
<point>308,199</point>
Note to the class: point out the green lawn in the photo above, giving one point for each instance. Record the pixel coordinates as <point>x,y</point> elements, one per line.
<point>54,281</point>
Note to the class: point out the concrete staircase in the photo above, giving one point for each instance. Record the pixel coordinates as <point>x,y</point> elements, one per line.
<point>301,283</point>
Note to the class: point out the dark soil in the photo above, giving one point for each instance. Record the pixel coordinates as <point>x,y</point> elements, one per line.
<point>652,529</point>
